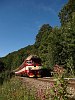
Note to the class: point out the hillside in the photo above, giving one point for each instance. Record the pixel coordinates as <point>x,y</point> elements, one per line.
<point>53,45</point>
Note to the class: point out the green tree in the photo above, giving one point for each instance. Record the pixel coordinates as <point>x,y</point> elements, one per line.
<point>43,33</point>
<point>65,14</point>
<point>1,66</point>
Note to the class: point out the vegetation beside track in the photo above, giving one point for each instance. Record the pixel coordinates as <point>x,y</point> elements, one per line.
<point>14,89</point>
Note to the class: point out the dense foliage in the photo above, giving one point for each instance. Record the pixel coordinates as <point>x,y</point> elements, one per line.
<point>53,45</point>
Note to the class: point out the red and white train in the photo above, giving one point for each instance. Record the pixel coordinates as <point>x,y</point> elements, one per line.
<point>31,67</point>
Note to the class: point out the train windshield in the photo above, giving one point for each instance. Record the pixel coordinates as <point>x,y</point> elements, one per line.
<point>36,60</point>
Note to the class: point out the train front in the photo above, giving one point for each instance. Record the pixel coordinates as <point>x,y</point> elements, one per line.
<point>34,67</point>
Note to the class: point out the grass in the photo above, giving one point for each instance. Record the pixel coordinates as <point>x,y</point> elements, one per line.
<point>15,89</point>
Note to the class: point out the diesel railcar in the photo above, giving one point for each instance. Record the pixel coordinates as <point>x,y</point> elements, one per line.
<point>31,67</point>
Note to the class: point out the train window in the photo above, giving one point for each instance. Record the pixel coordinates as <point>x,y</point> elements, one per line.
<point>29,62</point>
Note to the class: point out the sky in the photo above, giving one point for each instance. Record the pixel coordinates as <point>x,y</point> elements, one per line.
<point>20,21</point>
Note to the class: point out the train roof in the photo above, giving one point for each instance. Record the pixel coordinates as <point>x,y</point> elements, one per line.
<point>31,56</point>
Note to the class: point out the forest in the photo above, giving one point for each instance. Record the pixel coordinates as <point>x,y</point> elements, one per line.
<point>54,45</point>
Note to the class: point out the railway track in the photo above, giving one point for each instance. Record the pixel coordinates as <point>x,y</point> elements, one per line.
<point>71,81</point>
<point>42,85</point>
<point>51,79</point>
